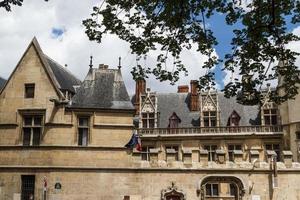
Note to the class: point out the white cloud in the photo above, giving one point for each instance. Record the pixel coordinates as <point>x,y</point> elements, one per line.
<point>38,18</point>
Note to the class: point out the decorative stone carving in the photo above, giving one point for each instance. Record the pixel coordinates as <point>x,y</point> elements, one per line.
<point>172,191</point>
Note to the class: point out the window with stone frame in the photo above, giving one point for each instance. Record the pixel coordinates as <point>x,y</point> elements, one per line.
<point>212,189</point>
<point>231,148</point>
<point>32,129</point>
<point>274,147</point>
<point>29,90</point>
<point>83,130</point>
<point>210,118</point>
<point>145,153</point>
<point>211,149</point>
<point>148,120</point>
<point>174,150</point>
<point>270,116</point>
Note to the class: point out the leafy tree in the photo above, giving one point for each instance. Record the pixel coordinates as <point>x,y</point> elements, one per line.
<point>172,26</point>
<point>6,4</point>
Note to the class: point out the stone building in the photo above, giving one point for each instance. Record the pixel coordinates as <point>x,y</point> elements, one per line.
<point>63,139</point>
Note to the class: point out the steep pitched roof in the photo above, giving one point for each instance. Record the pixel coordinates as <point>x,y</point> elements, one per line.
<point>57,75</point>
<point>102,89</point>
<point>2,82</point>
<point>65,79</point>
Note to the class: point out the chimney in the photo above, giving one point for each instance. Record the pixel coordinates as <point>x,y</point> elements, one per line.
<point>140,88</point>
<point>183,89</point>
<point>103,66</point>
<point>194,98</point>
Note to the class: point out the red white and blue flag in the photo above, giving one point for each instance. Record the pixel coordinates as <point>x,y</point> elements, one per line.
<point>134,142</point>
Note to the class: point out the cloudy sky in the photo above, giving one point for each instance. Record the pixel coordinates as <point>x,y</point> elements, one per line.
<point>58,27</point>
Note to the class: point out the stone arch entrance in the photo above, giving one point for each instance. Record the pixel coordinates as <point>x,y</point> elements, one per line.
<point>219,186</point>
<point>172,193</point>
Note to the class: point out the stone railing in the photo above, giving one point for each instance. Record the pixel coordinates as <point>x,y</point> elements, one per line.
<point>211,130</point>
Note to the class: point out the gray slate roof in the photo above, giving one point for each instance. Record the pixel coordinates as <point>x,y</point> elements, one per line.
<point>65,79</point>
<point>249,114</point>
<point>179,103</point>
<point>2,82</point>
<point>104,89</point>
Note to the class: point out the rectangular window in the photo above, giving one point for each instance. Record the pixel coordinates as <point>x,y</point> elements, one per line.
<point>146,152</point>
<point>231,148</point>
<point>83,131</point>
<point>27,187</point>
<point>173,149</point>
<point>210,118</point>
<point>211,149</point>
<point>32,129</point>
<point>270,117</point>
<point>148,120</point>
<point>298,135</point>
<point>276,148</point>
<point>212,189</point>
<point>29,90</point>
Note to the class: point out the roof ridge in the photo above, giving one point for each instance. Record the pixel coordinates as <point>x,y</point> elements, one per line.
<point>63,68</point>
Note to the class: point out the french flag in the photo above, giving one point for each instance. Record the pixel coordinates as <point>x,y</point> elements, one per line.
<point>134,142</point>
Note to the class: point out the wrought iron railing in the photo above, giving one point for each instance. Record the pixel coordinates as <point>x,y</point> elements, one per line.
<point>208,130</point>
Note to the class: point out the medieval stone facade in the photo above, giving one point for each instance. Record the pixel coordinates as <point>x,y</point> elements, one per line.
<point>63,139</point>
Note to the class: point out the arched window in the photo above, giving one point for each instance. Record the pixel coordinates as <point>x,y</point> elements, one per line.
<point>210,187</point>
<point>234,119</point>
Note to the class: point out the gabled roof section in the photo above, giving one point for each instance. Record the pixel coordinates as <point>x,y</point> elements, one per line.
<point>2,82</point>
<point>55,72</point>
<point>102,89</point>
<point>65,79</point>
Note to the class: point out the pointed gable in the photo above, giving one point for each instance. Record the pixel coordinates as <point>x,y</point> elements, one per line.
<point>233,119</point>
<point>55,72</point>
<point>174,120</point>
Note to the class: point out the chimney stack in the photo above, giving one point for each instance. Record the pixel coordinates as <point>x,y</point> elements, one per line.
<point>194,98</point>
<point>103,66</point>
<point>183,89</point>
<point>140,88</point>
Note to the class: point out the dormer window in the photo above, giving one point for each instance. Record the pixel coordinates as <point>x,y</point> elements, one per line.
<point>148,120</point>
<point>29,90</point>
<point>174,121</point>
<point>270,116</point>
<point>234,119</point>
<point>148,110</point>
<point>210,118</point>
<point>209,115</point>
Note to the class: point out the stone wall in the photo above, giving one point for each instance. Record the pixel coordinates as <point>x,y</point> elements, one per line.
<point>141,185</point>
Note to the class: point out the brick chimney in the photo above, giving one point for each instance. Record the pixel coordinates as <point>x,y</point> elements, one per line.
<point>194,98</point>
<point>140,88</point>
<point>183,89</point>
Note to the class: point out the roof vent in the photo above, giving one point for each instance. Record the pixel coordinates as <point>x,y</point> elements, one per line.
<point>102,66</point>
